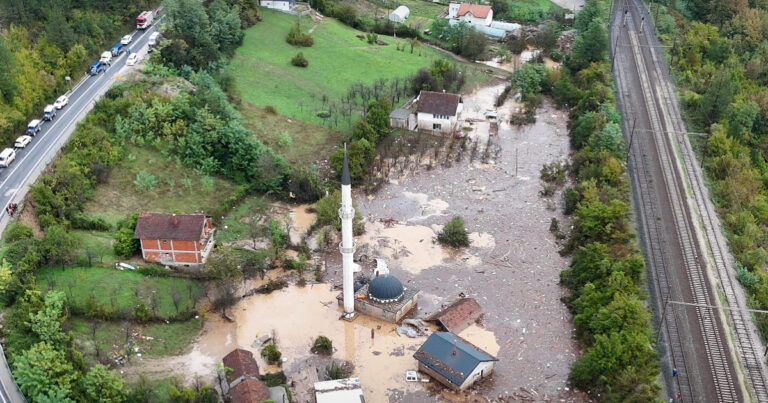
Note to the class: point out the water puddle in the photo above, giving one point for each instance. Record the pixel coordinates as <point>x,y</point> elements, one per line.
<point>301,220</point>
<point>411,247</point>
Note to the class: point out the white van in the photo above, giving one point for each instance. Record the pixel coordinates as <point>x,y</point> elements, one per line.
<point>106,57</point>
<point>6,157</point>
<point>153,39</point>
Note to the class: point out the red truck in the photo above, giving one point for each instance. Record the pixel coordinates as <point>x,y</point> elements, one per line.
<point>144,20</point>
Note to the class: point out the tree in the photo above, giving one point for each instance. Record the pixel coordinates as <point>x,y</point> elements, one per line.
<point>46,323</point>
<point>546,38</point>
<point>362,130</point>
<point>454,234</point>
<point>59,245</point>
<point>101,385</point>
<point>473,44</point>
<point>500,7</point>
<point>8,87</point>
<point>223,266</point>
<point>322,345</point>
<point>5,276</point>
<point>42,370</point>
<point>226,27</point>
<point>378,118</point>
<point>591,45</point>
<point>271,353</point>
<point>59,31</point>
<point>528,78</point>
<point>345,13</point>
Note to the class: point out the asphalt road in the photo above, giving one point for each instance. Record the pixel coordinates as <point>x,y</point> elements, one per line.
<point>32,160</point>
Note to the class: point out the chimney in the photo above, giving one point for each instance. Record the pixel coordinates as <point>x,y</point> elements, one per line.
<point>175,221</point>
<point>454,347</point>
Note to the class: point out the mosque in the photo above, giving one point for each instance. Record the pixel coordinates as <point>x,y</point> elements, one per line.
<point>384,297</point>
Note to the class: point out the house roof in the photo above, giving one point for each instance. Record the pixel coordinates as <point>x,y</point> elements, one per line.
<point>437,353</point>
<point>438,103</point>
<point>186,227</point>
<point>242,363</point>
<point>476,10</point>
<point>249,391</point>
<point>339,391</point>
<point>400,113</point>
<point>458,316</point>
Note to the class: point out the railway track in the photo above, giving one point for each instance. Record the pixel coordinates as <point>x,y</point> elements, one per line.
<point>678,242</point>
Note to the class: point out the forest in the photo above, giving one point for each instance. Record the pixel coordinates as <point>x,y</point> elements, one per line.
<point>718,53</point>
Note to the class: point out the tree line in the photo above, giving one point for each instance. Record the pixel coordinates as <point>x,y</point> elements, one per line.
<point>619,362</point>
<point>718,56</point>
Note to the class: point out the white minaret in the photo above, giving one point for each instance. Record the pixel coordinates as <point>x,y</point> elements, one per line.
<point>348,243</point>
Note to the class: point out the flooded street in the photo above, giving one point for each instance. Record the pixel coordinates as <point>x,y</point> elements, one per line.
<point>511,268</point>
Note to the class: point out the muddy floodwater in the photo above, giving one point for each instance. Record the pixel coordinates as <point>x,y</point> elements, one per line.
<point>511,268</point>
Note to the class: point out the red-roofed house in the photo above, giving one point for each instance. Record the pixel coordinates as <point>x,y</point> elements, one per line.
<point>175,239</point>
<point>244,383</point>
<point>471,13</point>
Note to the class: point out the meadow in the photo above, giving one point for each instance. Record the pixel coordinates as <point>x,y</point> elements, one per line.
<point>121,291</point>
<point>338,59</point>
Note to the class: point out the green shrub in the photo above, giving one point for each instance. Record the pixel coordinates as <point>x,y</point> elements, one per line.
<point>572,199</point>
<point>18,231</point>
<point>748,279</point>
<point>145,182</point>
<point>454,234</point>
<point>334,370</point>
<point>275,379</point>
<point>142,313</point>
<point>553,173</point>
<point>88,223</point>
<point>299,60</point>
<point>322,346</point>
<point>271,354</point>
<point>298,38</point>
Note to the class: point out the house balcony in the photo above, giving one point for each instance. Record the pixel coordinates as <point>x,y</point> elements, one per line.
<point>207,246</point>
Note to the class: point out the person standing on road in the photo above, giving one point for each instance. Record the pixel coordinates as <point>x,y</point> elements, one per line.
<point>128,52</point>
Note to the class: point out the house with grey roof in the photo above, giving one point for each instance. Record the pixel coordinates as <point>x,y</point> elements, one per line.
<point>438,112</point>
<point>453,361</point>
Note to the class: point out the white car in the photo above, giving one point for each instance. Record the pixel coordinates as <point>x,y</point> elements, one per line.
<point>61,102</point>
<point>22,141</point>
<point>106,57</point>
<point>132,59</point>
<point>6,157</point>
<point>127,39</point>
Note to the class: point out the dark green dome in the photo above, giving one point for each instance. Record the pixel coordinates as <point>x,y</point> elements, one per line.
<point>385,289</point>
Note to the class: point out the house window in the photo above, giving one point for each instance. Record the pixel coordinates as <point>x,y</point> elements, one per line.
<point>436,126</point>
<point>165,241</point>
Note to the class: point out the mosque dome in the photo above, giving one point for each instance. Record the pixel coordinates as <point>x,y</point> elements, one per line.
<point>385,289</point>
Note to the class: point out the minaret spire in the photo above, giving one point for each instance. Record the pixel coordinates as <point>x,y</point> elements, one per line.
<point>348,243</point>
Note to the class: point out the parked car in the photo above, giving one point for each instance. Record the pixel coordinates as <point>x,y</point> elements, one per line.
<point>6,157</point>
<point>22,141</point>
<point>34,127</point>
<point>49,112</point>
<point>106,57</point>
<point>61,102</point>
<point>153,39</point>
<point>132,59</point>
<point>127,39</point>
<point>97,67</point>
<point>117,49</point>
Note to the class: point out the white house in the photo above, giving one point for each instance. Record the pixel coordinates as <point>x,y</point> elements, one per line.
<point>471,13</point>
<point>438,112</point>
<point>400,14</point>
<point>453,361</point>
<point>283,5</point>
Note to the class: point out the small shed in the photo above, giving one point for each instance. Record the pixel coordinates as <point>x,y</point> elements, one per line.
<point>400,14</point>
<point>402,119</point>
<point>453,361</point>
<point>458,315</point>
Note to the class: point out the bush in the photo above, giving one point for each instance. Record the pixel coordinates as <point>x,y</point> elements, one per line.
<point>145,182</point>
<point>748,279</point>
<point>553,173</point>
<point>276,379</point>
<point>299,39</point>
<point>322,346</point>
<point>271,354</point>
<point>88,223</point>
<point>299,60</point>
<point>125,245</point>
<point>454,234</point>
<point>17,231</point>
<point>334,370</point>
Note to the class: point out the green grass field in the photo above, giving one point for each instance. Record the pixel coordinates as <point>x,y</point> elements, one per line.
<point>301,144</point>
<point>531,11</point>
<point>118,197</point>
<point>120,291</point>
<point>99,341</point>
<point>338,59</point>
